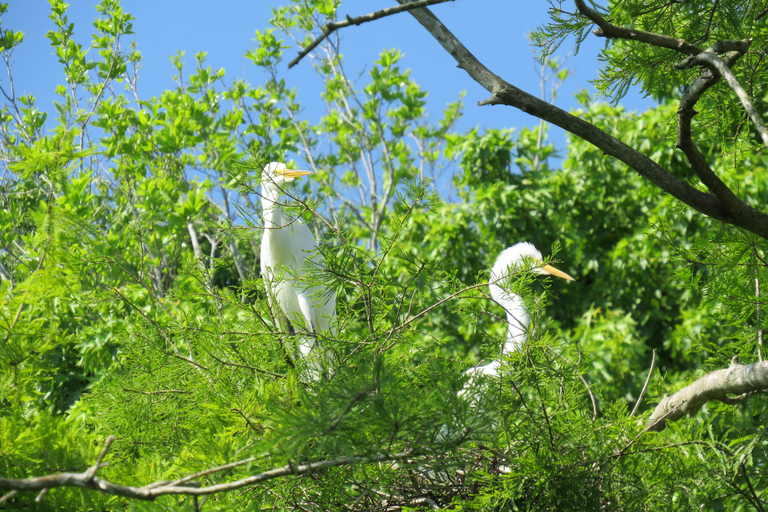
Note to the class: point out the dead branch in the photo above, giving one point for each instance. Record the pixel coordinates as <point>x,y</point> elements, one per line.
<point>645,386</point>
<point>738,379</point>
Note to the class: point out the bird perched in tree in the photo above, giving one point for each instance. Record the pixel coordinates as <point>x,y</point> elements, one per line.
<point>509,261</point>
<point>288,253</point>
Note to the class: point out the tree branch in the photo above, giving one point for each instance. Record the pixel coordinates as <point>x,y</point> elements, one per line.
<point>685,115</point>
<point>737,379</point>
<point>609,30</point>
<point>716,65</point>
<point>645,386</point>
<point>335,25</point>
<point>504,93</point>
<point>708,57</point>
<point>88,480</point>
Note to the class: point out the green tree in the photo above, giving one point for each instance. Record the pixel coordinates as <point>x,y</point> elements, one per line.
<point>135,330</point>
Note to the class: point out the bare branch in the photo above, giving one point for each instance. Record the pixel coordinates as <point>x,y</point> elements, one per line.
<point>645,386</point>
<point>195,242</point>
<point>737,379</point>
<point>150,492</point>
<point>8,496</point>
<point>335,25</point>
<point>738,213</point>
<point>90,473</point>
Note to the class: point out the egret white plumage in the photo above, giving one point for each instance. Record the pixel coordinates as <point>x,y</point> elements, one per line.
<point>288,252</point>
<point>510,261</point>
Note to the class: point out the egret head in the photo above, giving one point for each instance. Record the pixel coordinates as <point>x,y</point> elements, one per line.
<point>276,172</point>
<point>512,258</point>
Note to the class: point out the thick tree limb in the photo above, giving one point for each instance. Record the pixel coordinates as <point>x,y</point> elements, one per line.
<point>186,485</point>
<point>737,379</point>
<point>503,93</point>
<point>335,25</point>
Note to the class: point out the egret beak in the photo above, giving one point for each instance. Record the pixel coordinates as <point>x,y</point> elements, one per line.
<point>291,173</point>
<point>549,269</point>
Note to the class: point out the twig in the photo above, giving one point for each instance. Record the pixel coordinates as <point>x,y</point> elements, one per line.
<point>135,278</point>
<point>335,25</point>
<point>149,320</point>
<point>652,449</point>
<point>583,381</point>
<point>252,368</point>
<point>90,473</point>
<point>756,501</point>
<point>22,304</point>
<point>217,469</point>
<point>247,421</point>
<point>436,304</point>
<point>349,406</point>
<point>160,392</point>
<point>645,386</point>
<point>648,427</point>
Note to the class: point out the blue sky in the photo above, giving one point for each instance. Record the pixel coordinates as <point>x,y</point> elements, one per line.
<point>494,30</point>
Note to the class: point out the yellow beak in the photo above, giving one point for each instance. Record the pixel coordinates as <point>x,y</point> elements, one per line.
<point>291,173</point>
<point>549,269</point>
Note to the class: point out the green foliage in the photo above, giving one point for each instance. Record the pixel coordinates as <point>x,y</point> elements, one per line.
<point>131,304</point>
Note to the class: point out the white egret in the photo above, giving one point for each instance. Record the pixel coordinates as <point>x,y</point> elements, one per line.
<point>509,261</point>
<point>288,252</point>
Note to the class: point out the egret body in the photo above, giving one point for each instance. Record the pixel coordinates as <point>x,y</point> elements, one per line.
<point>510,261</point>
<point>288,252</point>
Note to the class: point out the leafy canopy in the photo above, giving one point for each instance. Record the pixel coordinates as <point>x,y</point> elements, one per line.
<point>132,303</point>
